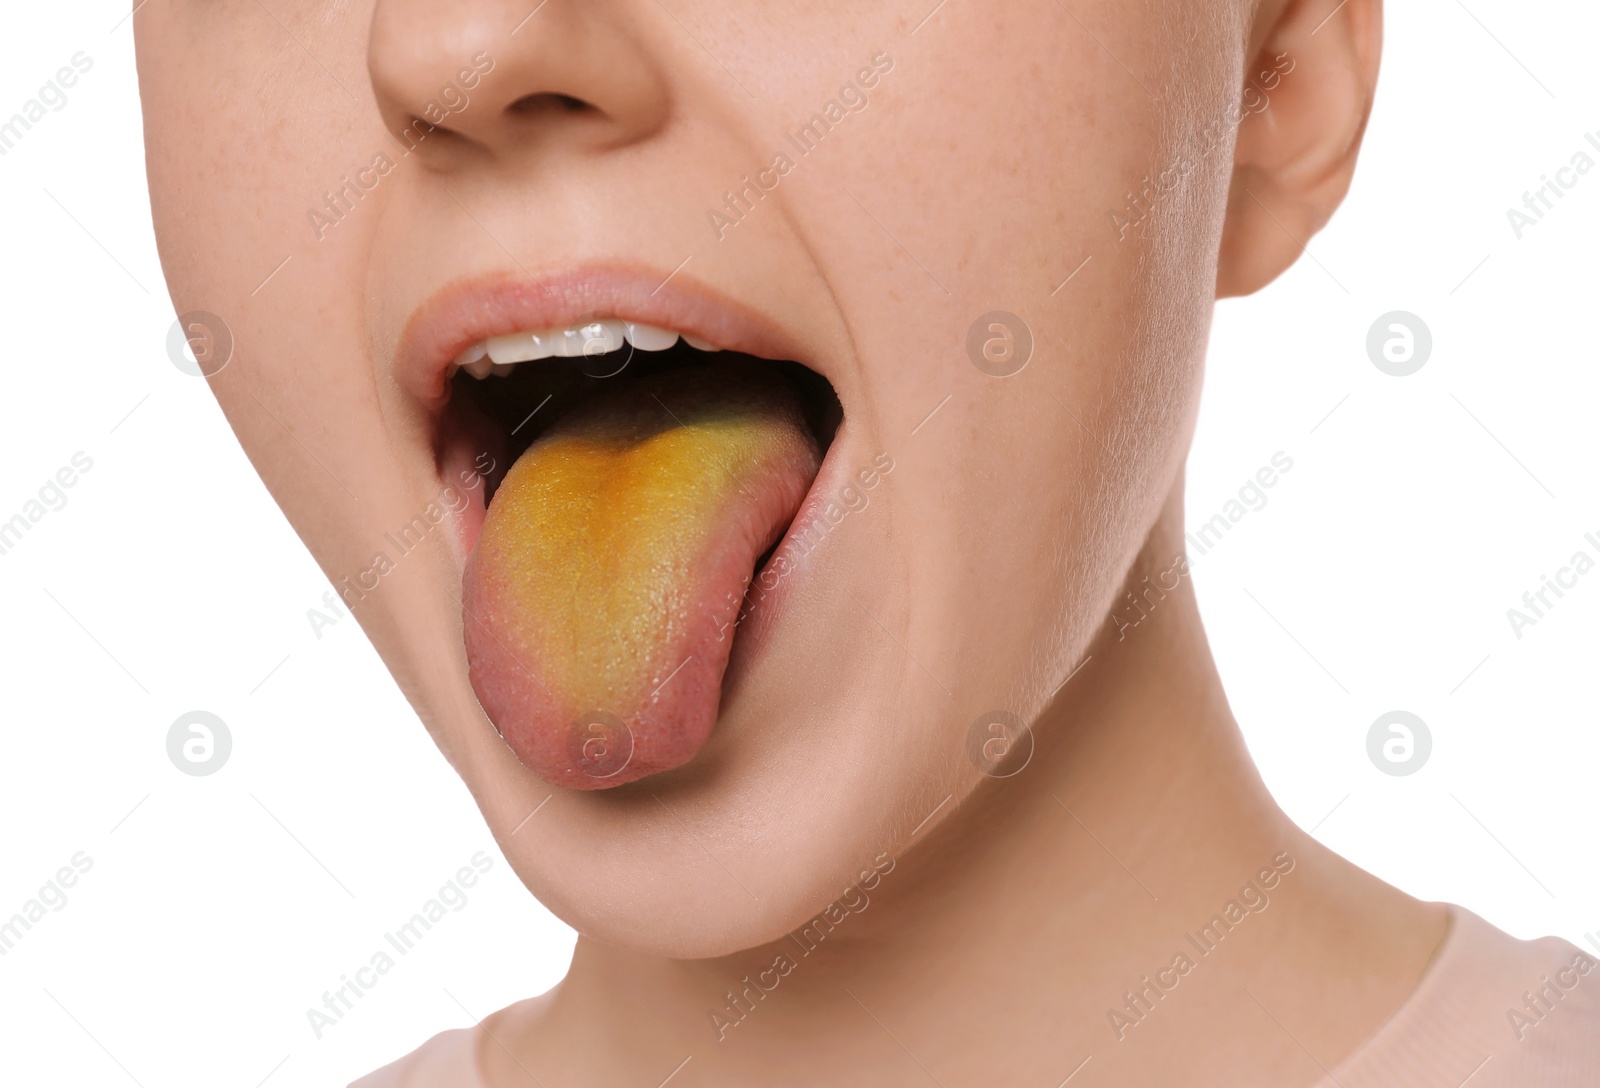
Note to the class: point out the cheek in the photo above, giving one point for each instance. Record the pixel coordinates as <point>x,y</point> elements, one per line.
<point>1032,482</point>
<point>246,136</point>
<point>244,133</point>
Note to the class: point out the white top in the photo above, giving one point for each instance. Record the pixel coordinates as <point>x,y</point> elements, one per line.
<point>1504,1013</point>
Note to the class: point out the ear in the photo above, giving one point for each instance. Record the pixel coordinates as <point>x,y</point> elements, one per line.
<point>1307,95</point>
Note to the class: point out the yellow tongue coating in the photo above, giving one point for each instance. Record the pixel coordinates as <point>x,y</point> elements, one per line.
<point>591,538</point>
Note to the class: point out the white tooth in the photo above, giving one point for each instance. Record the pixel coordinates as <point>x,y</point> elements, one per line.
<point>519,347</point>
<point>479,368</point>
<point>600,337</point>
<point>650,338</point>
<point>473,354</point>
<point>568,344</point>
<point>698,344</point>
<point>502,369</point>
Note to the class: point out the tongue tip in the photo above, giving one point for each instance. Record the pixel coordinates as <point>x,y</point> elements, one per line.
<point>591,748</point>
<point>594,749</point>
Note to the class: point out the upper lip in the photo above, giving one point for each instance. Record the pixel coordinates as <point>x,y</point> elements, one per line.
<point>469,310</point>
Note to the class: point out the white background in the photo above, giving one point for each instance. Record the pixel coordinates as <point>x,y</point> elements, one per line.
<point>1376,578</point>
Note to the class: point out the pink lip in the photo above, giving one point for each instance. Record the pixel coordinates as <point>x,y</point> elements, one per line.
<point>461,314</point>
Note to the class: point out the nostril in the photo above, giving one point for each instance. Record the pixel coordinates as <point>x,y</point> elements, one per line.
<point>540,103</point>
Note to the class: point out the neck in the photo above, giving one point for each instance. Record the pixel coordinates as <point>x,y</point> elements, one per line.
<point>1135,882</point>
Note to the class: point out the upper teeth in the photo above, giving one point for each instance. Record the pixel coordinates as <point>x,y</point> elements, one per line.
<point>500,354</point>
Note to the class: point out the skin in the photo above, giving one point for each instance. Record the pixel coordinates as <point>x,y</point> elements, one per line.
<point>980,576</point>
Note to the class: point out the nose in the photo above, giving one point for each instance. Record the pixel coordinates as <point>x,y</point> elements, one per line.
<point>508,76</point>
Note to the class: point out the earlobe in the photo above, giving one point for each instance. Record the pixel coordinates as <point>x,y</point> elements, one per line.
<point>1306,96</point>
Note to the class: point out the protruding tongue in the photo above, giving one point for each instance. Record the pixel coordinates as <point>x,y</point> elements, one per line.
<point>601,596</point>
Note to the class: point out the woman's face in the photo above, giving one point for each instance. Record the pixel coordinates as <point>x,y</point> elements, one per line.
<point>594,159</point>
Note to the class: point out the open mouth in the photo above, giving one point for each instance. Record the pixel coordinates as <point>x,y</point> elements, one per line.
<point>641,480</point>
